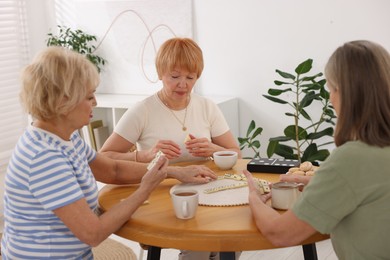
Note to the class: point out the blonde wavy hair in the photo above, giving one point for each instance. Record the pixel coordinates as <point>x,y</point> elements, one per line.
<point>55,82</point>
<point>181,53</point>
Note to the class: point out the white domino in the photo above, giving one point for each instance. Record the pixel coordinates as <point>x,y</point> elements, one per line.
<point>155,159</point>
<point>262,185</point>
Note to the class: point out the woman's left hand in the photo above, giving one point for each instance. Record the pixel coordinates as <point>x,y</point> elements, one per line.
<point>200,147</point>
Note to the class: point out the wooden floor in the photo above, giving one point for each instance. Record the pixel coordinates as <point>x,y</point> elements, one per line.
<point>324,252</point>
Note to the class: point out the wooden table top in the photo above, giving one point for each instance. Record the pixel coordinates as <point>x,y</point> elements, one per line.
<point>218,229</point>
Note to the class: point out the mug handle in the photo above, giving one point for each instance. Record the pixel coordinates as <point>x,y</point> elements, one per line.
<point>184,209</point>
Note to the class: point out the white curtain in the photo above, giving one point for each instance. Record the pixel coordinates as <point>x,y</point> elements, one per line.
<point>14,54</point>
<point>65,13</point>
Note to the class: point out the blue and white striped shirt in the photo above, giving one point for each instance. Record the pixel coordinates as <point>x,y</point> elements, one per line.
<point>46,173</point>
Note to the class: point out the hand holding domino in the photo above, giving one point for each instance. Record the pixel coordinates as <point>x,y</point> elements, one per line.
<point>155,160</point>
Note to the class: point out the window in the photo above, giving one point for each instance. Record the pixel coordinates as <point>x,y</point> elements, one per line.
<point>14,53</point>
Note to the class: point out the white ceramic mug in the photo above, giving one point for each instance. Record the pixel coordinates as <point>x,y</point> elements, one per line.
<point>284,194</point>
<point>225,160</point>
<point>185,203</point>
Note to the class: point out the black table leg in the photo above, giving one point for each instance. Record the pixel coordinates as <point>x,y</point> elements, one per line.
<point>310,252</point>
<point>227,255</point>
<point>154,253</point>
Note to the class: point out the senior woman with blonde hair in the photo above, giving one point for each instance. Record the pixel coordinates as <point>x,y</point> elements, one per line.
<point>50,184</point>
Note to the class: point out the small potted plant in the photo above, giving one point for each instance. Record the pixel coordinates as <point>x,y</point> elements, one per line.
<point>78,41</point>
<point>251,140</point>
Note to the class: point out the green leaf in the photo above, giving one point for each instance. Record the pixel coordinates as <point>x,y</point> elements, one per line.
<point>285,151</point>
<point>308,99</point>
<point>305,114</point>
<point>257,132</point>
<point>325,144</point>
<point>271,148</point>
<point>311,78</point>
<point>324,93</point>
<point>290,132</point>
<point>304,67</point>
<point>322,82</point>
<point>330,112</point>
<point>312,148</point>
<point>279,83</point>
<point>310,151</point>
<point>285,74</point>
<point>242,140</point>
<point>308,86</point>
<point>320,155</point>
<point>289,114</point>
<point>277,100</point>
<point>277,92</point>
<point>280,139</point>
<point>317,86</point>
<point>326,132</point>
<point>311,87</point>
<point>255,144</point>
<point>252,126</point>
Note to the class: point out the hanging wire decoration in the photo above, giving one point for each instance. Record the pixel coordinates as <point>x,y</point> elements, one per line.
<point>149,37</point>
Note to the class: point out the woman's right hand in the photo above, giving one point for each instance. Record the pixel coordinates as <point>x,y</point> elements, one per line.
<point>168,147</point>
<point>155,175</point>
<point>255,195</point>
<point>295,178</point>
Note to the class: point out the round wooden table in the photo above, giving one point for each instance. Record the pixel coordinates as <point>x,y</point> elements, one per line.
<point>217,229</point>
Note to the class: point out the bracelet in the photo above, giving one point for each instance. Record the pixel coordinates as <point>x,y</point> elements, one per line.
<point>135,153</point>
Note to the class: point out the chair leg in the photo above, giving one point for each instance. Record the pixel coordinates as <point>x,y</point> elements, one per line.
<point>310,252</point>
<point>154,253</point>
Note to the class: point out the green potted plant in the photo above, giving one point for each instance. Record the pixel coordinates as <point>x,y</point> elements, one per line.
<point>308,132</point>
<point>79,41</point>
<point>303,139</point>
<point>251,140</point>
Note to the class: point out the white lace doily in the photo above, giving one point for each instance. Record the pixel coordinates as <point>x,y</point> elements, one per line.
<point>231,197</point>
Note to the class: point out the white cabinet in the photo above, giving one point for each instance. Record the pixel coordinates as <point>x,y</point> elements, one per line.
<point>111,107</point>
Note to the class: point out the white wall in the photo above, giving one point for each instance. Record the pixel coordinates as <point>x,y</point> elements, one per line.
<point>244,41</point>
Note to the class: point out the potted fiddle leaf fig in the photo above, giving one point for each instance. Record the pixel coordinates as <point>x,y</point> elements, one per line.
<point>78,41</point>
<point>309,131</point>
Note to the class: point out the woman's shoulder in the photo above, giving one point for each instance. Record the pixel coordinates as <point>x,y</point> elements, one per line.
<point>358,147</point>
<point>357,153</point>
<point>346,150</point>
<point>36,143</point>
